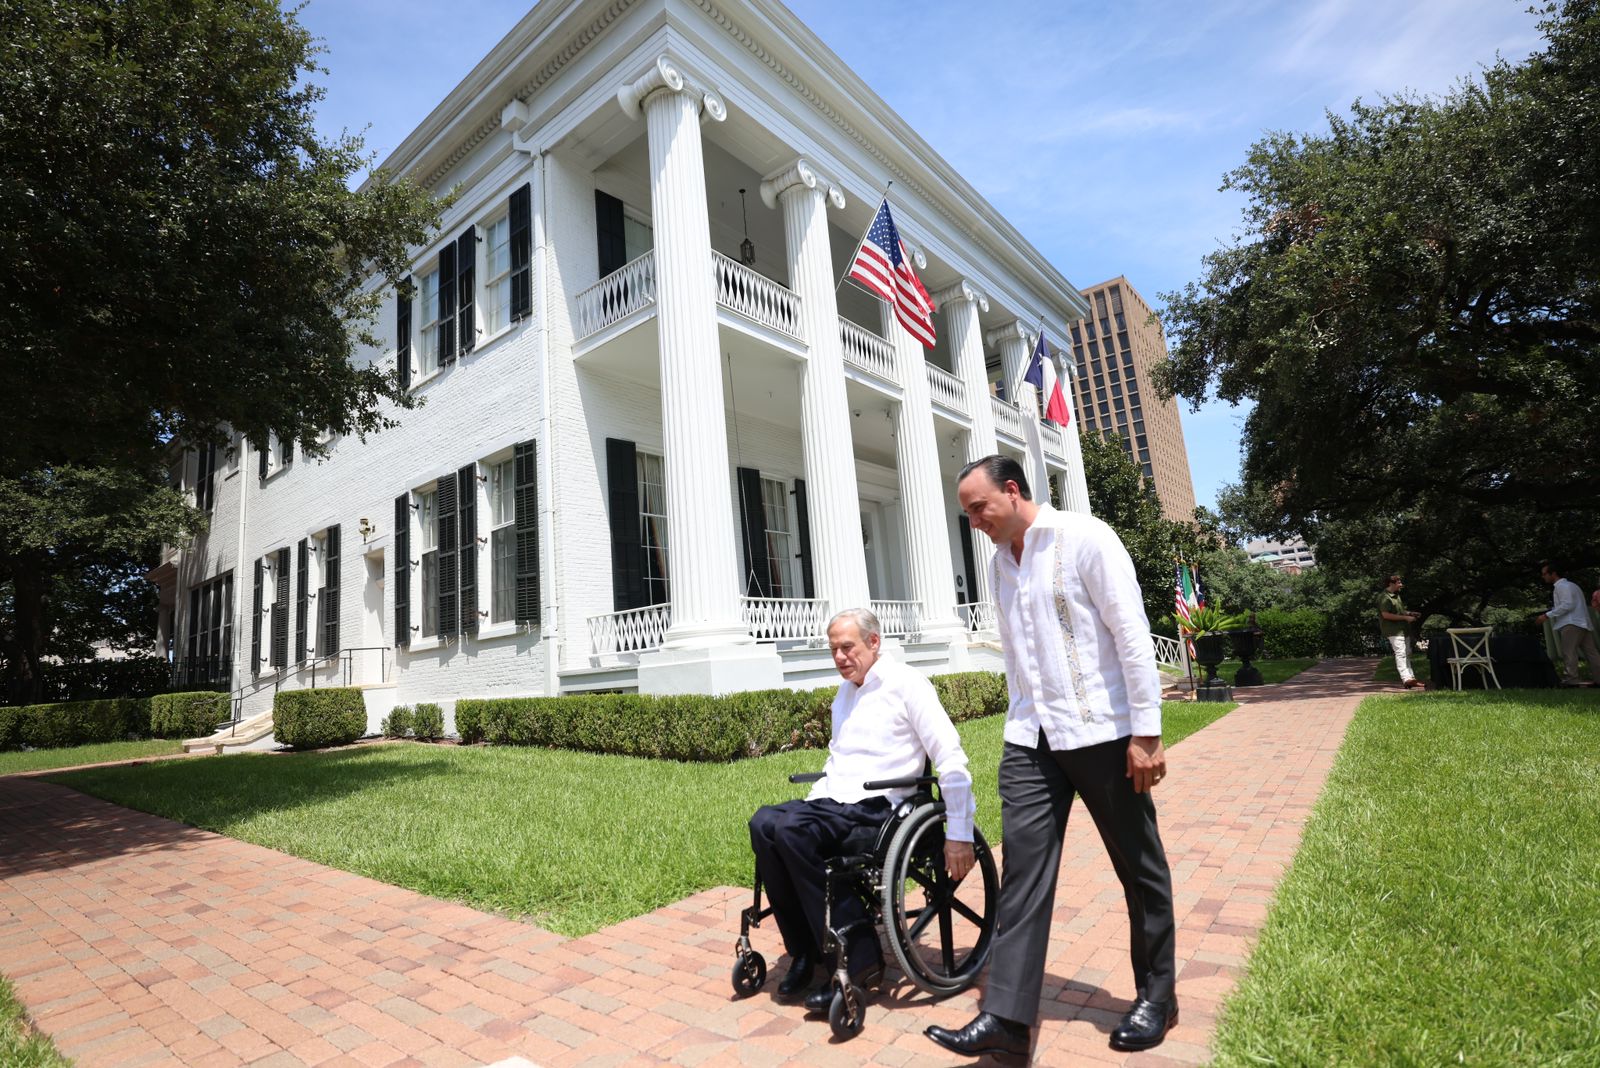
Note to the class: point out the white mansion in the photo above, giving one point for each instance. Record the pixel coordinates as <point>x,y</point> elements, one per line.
<point>659,443</point>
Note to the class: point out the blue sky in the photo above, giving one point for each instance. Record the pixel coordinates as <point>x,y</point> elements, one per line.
<point>1101,131</point>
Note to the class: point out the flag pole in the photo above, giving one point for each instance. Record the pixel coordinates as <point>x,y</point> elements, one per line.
<point>851,262</point>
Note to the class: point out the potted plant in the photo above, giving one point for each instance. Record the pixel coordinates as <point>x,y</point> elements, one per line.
<point>1247,646</point>
<point>1208,628</point>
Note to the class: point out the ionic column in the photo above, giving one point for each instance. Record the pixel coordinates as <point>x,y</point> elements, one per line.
<point>961,304</point>
<point>1016,349</point>
<point>838,559</point>
<point>701,544</point>
<point>929,566</point>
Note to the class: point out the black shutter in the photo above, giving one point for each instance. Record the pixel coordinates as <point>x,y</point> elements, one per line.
<point>402,571</point>
<point>302,600</point>
<point>280,612</point>
<point>968,560</point>
<point>328,599</point>
<point>255,624</point>
<point>449,576</point>
<point>447,304</point>
<point>402,332</point>
<point>608,232</point>
<point>194,625</point>
<point>802,524</point>
<point>466,281</point>
<point>225,668</point>
<point>758,570</point>
<point>627,555</point>
<point>521,237</point>
<point>467,554</point>
<point>262,457</point>
<point>525,505</point>
<point>205,477</point>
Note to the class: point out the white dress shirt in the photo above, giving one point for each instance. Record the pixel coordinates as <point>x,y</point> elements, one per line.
<point>885,729</point>
<point>1567,608</point>
<point>1079,660</point>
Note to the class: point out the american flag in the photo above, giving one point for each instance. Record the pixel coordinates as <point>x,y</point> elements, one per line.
<point>882,266</point>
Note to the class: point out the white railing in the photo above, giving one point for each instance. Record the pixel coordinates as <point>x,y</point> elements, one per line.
<point>618,295</point>
<point>1171,651</point>
<point>899,619</point>
<point>632,631</point>
<point>1054,444</point>
<point>771,619</point>
<point>978,616</point>
<point>755,296</point>
<point>946,389</point>
<point>1007,417</point>
<point>866,350</point>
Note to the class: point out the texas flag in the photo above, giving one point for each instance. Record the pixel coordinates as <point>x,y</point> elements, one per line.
<point>1042,376</point>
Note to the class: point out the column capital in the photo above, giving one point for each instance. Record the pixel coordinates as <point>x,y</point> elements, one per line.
<point>801,174</point>
<point>1015,330</point>
<point>961,290</point>
<point>667,75</point>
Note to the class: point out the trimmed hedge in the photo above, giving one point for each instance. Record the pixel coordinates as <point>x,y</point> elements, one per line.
<point>427,722</point>
<point>66,723</point>
<point>397,724</point>
<point>187,715</point>
<point>1302,632</point>
<point>315,719</point>
<point>693,727</point>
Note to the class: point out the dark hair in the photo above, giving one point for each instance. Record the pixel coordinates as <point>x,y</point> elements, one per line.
<point>1553,567</point>
<point>1390,581</point>
<point>1000,469</point>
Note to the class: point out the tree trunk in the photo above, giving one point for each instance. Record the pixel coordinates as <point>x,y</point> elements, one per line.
<point>24,684</point>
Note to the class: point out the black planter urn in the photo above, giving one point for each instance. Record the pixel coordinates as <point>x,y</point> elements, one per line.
<point>1247,647</point>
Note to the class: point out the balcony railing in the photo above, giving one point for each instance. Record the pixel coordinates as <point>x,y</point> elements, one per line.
<point>899,619</point>
<point>755,296</point>
<point>1054,444</point>
<point>771,619</point>
<point>202,673</point>
<point>979,617</point>
<point>866,350</point>
<point>632,631</point>
<point>618,295</point>
<point>1007,417</point>
<point>946,389</point>
<point>1171,651</point>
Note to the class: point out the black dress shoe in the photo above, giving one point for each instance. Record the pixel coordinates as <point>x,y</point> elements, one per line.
<point>987,1033</point>
<point>1146,1024</point>
<point>797,977</point>
<point>819,1000</point>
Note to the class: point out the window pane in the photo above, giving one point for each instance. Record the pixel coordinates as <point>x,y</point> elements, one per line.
<point>427,519</point>
<point>503,552</point>
<point>430,594</point>
<point>653,526</point>
<point>497,274</point>
<point>428,336</point>
<point>780,554</point>
<point>502,505</point>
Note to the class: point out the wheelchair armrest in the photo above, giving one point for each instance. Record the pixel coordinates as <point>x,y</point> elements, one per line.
<point>897,784</point>
<point>807,776</point>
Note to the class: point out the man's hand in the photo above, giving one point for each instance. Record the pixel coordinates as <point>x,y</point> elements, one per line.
<point>1147,762</point>
<point>1543,616</point>
<point>958,859</point>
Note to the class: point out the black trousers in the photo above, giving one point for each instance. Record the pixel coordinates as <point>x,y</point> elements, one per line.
<point>792,844</point>
<point>1037,787</point>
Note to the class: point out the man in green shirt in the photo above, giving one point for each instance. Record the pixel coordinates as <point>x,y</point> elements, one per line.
<point>1392,621</point>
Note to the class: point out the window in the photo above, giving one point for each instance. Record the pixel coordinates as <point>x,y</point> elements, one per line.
<point>209,660</point>
<point>427,502</point>
<point>205,484</point>
<point>283,454</point>
<point>428,310</point>
<point>653,527</point>
<point>780,546</point>
<point>502,542</point>
<point>497,275</point>
<point>637,237</point>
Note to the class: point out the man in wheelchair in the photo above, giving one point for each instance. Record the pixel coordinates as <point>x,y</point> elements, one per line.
<point>888,724</point>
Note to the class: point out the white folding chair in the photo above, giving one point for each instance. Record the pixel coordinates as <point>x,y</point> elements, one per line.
<point>1469,647</point>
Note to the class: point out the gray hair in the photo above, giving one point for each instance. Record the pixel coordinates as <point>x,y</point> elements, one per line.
<point>866,622</point>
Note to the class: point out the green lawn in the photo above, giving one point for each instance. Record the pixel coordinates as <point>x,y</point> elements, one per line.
<point>1441,909</point>
<point>20,1045</point>
<point>72,756</point>
<point>573,841</point>
<point>1271,670</point>
<point>1420,667</point>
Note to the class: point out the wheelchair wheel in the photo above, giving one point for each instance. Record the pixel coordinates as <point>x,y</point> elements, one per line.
<point>847,1013</point>
<point>940,932</point>
<point>749,973</point>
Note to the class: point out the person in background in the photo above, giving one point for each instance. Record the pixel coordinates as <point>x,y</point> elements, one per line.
<point>1392,621</point>
<point>1569,617</point>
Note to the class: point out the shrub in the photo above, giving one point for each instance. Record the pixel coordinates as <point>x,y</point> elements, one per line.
<point>397,724</point>
<point>314,719</point>
<point>65,723</point>
<point>427,722</point>
<point>1302,632</point>
<point>693,727</point>
<point>10,727</point>
<point>187,715</point>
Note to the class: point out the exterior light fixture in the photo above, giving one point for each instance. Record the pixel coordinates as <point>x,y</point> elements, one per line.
<point>747,249</point>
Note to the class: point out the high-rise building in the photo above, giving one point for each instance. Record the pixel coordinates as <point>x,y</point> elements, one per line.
<point>1116,349</point>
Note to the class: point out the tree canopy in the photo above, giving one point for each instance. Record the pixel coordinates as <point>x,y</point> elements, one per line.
<point>1414,309</point>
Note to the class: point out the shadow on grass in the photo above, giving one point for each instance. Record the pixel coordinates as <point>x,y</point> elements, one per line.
<point>47,824</point>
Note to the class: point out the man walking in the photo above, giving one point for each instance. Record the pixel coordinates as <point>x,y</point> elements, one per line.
<point>1392,621</point>
<point>1569,617</point>
<point>1084,721</point>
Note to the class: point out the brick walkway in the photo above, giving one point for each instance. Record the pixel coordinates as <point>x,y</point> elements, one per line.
<point>134,940</point>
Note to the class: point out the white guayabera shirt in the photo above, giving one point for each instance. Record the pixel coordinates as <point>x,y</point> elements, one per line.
<point>884,729</point>
<point>1079,660</point>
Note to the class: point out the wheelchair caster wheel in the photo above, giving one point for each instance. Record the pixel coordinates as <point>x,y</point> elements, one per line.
<point>847,1014</point>
<point>749,974</point>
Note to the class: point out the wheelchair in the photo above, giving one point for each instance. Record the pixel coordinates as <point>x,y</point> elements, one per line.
<point>938,931</point>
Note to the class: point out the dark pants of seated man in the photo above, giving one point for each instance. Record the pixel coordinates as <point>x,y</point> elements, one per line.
<point>792,844</point>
